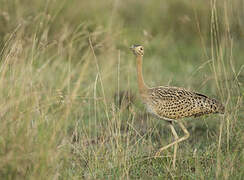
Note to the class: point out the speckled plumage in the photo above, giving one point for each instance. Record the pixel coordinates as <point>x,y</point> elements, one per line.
<point>172,103</point>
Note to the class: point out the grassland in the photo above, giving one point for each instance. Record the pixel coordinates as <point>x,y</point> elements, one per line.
<point>63,62</point>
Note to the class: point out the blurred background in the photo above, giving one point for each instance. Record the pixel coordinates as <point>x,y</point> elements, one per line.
<point>69,104</point>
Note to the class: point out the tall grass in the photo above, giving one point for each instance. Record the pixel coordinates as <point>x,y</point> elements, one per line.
<point>63,64</point>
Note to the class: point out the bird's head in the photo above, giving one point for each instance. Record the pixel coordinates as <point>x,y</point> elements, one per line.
<point>138,50</point>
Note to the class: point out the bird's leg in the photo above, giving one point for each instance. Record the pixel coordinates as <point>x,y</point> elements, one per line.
<point>176,145</point>
<point>176,141</point>
<point>176,137</point>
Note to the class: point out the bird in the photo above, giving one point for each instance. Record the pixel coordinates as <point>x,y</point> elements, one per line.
<point>172,104</point>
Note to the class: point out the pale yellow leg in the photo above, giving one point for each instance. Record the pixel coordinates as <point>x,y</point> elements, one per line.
<point>176,145</point>
<point>176,137</point>
<point>176,141</point>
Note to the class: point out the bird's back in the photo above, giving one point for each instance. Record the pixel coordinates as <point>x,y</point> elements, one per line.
<point>175,103</point>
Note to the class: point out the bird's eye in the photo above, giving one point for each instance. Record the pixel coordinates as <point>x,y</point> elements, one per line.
<point>141,49</point>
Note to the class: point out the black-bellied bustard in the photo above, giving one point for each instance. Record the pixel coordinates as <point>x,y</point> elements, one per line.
<point>173,103</point>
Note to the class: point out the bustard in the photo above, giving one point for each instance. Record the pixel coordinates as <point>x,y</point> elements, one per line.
<point>173,103</point>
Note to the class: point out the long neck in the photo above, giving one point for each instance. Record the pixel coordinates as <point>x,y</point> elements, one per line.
<point>142,86</point>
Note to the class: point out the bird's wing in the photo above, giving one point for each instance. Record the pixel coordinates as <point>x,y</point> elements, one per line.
<point>176,103</point>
